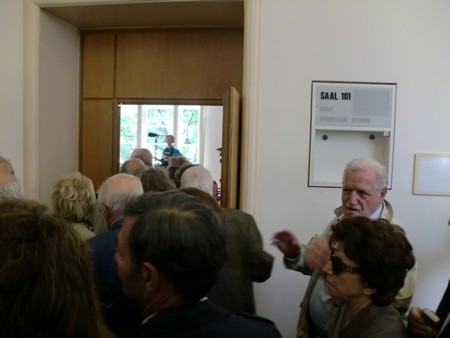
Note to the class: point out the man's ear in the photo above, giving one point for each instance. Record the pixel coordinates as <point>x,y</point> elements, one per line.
<point>383,193</point>
<point>105,210</point>
<point>150,276</point>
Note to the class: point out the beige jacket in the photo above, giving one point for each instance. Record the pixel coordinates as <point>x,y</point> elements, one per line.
<point>402,300</point>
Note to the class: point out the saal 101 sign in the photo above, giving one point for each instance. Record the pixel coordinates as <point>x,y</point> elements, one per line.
<point>353,104</point>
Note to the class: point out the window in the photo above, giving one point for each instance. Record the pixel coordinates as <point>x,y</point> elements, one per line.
<point>146,126</point>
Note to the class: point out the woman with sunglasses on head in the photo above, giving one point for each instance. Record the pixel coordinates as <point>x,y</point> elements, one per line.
<point>367,267</point>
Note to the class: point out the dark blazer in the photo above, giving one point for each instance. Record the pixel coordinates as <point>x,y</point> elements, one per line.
<point>229,292</point>
<point>122,316</point>
<point>204,319</point>
<point>443,311</point>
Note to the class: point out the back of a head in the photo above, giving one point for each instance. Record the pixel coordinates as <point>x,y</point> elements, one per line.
<point>46,287</point>
<point>156,179</point>
<point>363,163</point>
<point>382,252</point>
<point>168,226</point>
<point>9,186</point>
<point>73,198</point>
<point>117,190</point>
<point>143,154</point>
<point>9,183</point>
<point>198,177</point>
<point>133,166</point>
<point>205,197</point>
<point>6,166</point>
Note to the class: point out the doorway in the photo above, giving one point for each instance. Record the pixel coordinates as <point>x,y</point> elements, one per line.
<point>197,130</point>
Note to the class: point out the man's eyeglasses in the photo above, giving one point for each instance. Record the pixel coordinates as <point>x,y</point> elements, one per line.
<point>339,266</point>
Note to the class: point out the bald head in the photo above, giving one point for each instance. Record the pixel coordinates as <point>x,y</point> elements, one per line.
<point>9,183</point>
<point>9,186</point>
<point>5,166</point>
<point>115,193</point>
<point>133,166</point>
<point>144,155</point>
<point>198,177</point>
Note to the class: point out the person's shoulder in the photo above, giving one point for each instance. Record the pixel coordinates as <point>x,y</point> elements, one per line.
<point>255,318</point>
<point>105,239</point>
<point>259,326</point>
<point>83,232</point>
<point>235,212</point>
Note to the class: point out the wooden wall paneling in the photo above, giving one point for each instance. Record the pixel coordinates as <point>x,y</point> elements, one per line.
<point>172,64</point>
<point>96,143</point>
<point>98,56</point>
<point>116,137</point>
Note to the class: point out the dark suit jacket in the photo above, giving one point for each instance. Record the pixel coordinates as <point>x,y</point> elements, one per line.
<point>229,292</point>
<point>204,319</point>
<point>443,311</point>
<point>122,316</point>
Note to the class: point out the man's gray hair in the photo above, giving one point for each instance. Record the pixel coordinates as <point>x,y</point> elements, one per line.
<point>118,189</point>
<point>366,163</point>
<point>10,186</point>
<point>198,177</point>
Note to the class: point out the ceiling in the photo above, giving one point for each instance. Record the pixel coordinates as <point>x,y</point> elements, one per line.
<point>152,14</point>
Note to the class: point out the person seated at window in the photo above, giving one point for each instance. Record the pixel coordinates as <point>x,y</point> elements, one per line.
<point>73,198</point>
<point>368,264</point>
<point>46,278</point>
<point>169,151</point>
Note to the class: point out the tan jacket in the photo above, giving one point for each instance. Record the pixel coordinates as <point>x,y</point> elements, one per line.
<point>401,302</point>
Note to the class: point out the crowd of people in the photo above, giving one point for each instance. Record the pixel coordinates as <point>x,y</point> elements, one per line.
<point>153,254</point>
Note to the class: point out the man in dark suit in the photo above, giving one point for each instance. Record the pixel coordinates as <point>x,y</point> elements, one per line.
<point>420,328</point>
<point>170,250</point>
<point>121,315</point>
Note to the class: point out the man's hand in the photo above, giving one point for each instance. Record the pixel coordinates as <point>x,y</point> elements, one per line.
<point>318,253</point>
<point>417,325</point>
<point>287,243</point>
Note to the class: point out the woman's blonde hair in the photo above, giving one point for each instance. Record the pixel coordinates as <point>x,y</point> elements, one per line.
<point>73,198</point>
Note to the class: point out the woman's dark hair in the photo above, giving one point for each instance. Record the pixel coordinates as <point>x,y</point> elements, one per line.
<point>46,279</point>
<point>156,179</point>
<point>381,251</point>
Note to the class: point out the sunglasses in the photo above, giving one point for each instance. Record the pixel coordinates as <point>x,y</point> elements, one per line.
<point>339,266</point>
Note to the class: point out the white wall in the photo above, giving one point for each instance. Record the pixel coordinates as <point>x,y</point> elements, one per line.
<point>399,41</point>
<point>403,41</point>
<point>11,83</point>
<point>58,102</point>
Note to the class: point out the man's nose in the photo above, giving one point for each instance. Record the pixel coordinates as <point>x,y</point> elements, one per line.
<point>353,198</point>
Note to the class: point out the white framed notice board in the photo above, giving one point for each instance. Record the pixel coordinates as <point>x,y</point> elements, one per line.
<point>431,174</point>
<point>350,120</point>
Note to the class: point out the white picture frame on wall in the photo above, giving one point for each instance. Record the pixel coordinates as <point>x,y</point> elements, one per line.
<point>432,174</point>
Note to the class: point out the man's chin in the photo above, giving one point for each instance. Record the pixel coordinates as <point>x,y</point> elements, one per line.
<point>352,213</point>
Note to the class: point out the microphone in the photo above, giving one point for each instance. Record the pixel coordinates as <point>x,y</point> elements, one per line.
<point>150,134</point>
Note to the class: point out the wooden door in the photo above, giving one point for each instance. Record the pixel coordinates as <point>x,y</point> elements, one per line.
<point>231,149</point>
